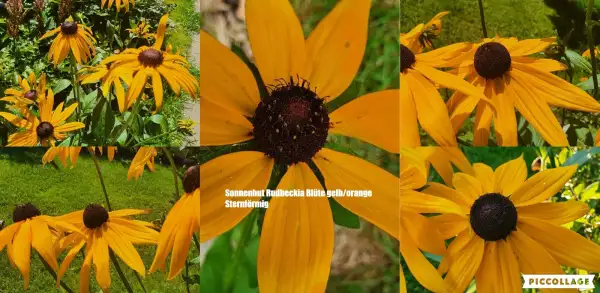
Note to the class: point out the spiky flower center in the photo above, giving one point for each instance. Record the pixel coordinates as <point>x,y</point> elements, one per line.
<point>31,95</point>
<point>493,217</point>
<point>94,216</point>
<point>45,130</point>
<point>151,57</point>
<point>191,179</point>
<point>407,58</point>
<point>26,211</point>
<point>292,123</point>
<point>69,28</point>
<point>492,60</point>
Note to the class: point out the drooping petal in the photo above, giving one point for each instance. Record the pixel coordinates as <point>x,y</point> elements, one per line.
<point>409,128</point>
<point>21,250</point>
<point>504,97</point>
<point>419,266</point>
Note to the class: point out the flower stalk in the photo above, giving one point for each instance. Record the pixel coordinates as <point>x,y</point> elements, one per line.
<point>591,44</point>
<point>174,170</point>
<point>53,274</point>
<point>481,15</point>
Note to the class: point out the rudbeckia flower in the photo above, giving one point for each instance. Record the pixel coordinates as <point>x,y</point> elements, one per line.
<point>118,4</point>
<point>421,102</point>
<point>109,77</point>
<point>51,125</point>
<point>151,62</point>
<point>500,67</point>
<point>31,229</point>
<point>290,125</point>
<point>72,37</point>
<point>421,36</point>
<point>506,227</point>
<point>418,233</point>
<point>144,157</point>
<point>179,226</point>
<point>31,91</point>
<point>72,154</point>
<point>102,231</point>
<point>141,31</point>
<point>586,54</point>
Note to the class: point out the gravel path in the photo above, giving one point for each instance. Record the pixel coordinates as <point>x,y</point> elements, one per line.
<point>192,109</point>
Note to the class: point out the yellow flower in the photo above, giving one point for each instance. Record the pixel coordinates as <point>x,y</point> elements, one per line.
<point>141,31</point>
<point>500,67</point>
<point>104,231</point>
<point>118,4</point>
<point>586,53</point>
<point>421,36</point>
<point>50,127</point>
<point>30,92</point>
<point>150,62</point>
<point>109,77</point>
<point>179,226</point>
<point>31,230</point>
<point>72,153</point>
<point>505,227</point>
<point>144,157</point>
<point>71,37</point>
<point>421,102</point>
<point>290,126</point>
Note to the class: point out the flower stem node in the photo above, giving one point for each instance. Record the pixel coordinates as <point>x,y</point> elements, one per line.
<point>26,211</point>
<point>191,179</point>
<point>493,216</point>
<point>94,216</point>
<point>492,60</point>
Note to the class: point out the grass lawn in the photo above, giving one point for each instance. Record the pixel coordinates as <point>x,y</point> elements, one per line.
<point>57,192</point>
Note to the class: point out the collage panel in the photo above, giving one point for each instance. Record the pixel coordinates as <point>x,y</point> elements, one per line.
<point>99,73</point>
<point>299,146</point>
<point>76,219</point>
<point>489,219</point>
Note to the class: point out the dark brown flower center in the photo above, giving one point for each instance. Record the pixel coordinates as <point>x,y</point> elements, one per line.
<point>191,179</point>
<point>69,28</point>
<point>45,130</point>
<point>26,211</point>
<point>31,95</point>
<point>493,217</point>
<point>94,216</point>
<point>151,57</point>
<point>292,123</point>
<point>407,58</point>
<point>492,60</point>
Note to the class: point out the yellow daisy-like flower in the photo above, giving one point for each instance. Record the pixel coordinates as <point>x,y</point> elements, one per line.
<point>500,67</point>
<point>421,102</point>
<point>72,37</point>
<point>31,229</point>
<point>144,157</point>
<point>586,54</point>
<point>179,226</point>
<point>141,31</point>
<point>102,231</point>
<point>118,4</point>
<point>290,125</point>
<point>31,91</point>
<point>51,125</point>
<point>151,62</point>
<point>505,227</point>
<point>421,36</point>
<point>72,154</point>
<point>109,78</point>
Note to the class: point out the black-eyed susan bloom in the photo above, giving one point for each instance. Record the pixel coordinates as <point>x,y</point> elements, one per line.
<point>179,226</point>
<point>155,64</point>
<point>72,154</point>
<point>505,227</point>
<point>118,4</point>
<point>144,157</point>
<point>422,35</point>
<point>31,229</point>
<point>102,231</point>
<point>110,78</point>
<point>502,69</point>
<point>290,126</point>
<point>72,37</point>
<point>421,102</point>
<point>51,125</point>
<point>30,91</point>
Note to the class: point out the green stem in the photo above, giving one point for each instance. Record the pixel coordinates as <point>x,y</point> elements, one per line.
<point>591,44</point>
<point>101,180</point>
<point>75,85</point>
<point>174,169</point>
<point>127,124</point>
<point>120,272</point>
<point>53,273</point>
<point>139,279</point>
<point>481,15</point>
<point>144,142</point>
<point>187,276</point>
<point>246,234</point>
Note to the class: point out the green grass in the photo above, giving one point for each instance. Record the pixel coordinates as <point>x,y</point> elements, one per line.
<point>57,192</point>
<point>188,23</point>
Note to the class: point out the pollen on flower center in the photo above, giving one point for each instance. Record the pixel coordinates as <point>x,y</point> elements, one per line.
<point>69,28</point>
<point>25,211</point>
<point>407,58</point>
<point>493,217</point>
<point>492,60</point>
<point>94,216</point>
<point>292,123</point>
<point>31,95</point>
<point>191,179</point>
<point>45,130</point>
<point>151,57</point>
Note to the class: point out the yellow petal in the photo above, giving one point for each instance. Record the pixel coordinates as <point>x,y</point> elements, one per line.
<point>123,249</point>
<point>510,176</point>
<point>547,65</point>
<point>450,81</point>
<point>464,265</point>
<point>468,186</point>
<point>160,32</point>
<point>409,128</point>
<point>423,232</point>
<point>556,213</point>
<point>460,106</point>
<point>450,225</point>
<point>531,46</point>
<point>453,195</point>
<point>41,241</point>
<point>505,120</point>
<point>100,260</point>
<point>21,250</point>
<point>542,186</point>
<point>419,266</point>
<point>425,203</point>
<point>499,271</point>
<point>485,175</point>
<point>444,159</point>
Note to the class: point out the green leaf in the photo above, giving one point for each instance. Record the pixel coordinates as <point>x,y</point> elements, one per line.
<point>590,192</point>
<point>581,157</point>
<point>578,61</point>
<point>160,120</point>
<point>342,216</point>
<point>195,260</point>
<point>61,85</point>
<point>217,260</point>
<point>588,85</point>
